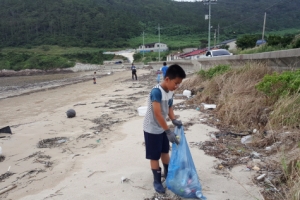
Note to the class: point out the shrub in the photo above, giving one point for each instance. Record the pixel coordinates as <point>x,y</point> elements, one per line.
<point>276,85</point>
<point>217,70</point>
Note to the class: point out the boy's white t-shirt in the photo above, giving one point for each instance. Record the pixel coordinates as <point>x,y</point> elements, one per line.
<point>165,99</point>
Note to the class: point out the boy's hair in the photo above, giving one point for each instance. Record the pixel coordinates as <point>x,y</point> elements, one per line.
<point>164,63</point>
<point>175,71</point>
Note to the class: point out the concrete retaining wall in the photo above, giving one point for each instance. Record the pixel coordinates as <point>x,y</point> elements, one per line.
<point>279,60</point>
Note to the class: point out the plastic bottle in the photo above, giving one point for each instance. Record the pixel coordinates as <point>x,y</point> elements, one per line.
<point>199,194</point>
<point>0,150</point>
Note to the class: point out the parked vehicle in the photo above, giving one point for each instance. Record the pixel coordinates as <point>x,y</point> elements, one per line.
<point>218,52</point>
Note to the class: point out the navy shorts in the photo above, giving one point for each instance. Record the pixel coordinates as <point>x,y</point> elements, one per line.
<point>156,144</point>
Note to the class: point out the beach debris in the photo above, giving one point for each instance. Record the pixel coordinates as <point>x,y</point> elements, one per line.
<point>80,104</point>
<point>46,163</point>
<point>37,154</point>
<point>246,139</point>
<point>261,177</point>
<point>8,188</point>
<point>71,113</point>
<point>5,130</point>
<point>166,196</point>
<point>2,158</point>
<point>0,150</point>
<point>51,142</point>
<point>92,146</point>
<point>124,179</point>
<point>208,106</point>
<point>187,93</point>
<point>6,175</point>
<point>83,136</point>
<point>75,155</point>
<point>256,168</point>
<point>32,173</point>
<point>255,154</point>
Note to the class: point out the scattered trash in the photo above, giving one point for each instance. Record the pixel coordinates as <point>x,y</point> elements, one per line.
<point>51,142</point>
<point>261,177</point>
<point>5,175</point>
<point>2,158</point>
<point>254,131</point>
<point>187,93</point>
<point>256,168</point>
<point>142,110</point>
<point>5,130</point>
<point>268,148</point>
<point>273,146</point>
<point>246,139</point>
<point>0,150</point>
<point>213,136</point>
<point>124,179</point>
<point>208,106</point>
<point>255,154</point>
<point>71,113</point>
<point>80,104</point>
<point>197,108</point>
<point>98,141</point>
<point>61,141</point>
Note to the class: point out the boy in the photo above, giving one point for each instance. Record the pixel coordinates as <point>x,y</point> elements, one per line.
<point>156,131</point>
<point>94,78</point>
<point>164,69</point>
<point>133,70</point>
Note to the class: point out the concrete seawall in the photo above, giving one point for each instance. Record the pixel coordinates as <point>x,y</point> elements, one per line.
<point>279,60</point>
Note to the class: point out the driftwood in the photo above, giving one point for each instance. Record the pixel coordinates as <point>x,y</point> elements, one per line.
<point>8,188</point>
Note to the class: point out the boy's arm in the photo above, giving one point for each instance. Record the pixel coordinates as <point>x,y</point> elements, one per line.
<point>159,117</point>
<point>171,114</point>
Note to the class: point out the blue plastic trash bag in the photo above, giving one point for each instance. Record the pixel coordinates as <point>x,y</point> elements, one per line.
<point>182,176</point>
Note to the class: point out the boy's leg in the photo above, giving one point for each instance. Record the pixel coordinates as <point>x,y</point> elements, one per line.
<point>153,143</point>
<point>165,157</point>
<point>135,76</point>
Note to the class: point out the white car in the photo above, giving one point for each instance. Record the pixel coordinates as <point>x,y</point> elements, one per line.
<point>218,52</point>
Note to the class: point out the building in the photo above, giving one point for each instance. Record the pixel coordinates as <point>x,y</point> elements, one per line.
<point>175,56</point>
<point>231,43</point>
<point>152,47</point>
<point>194,55</point>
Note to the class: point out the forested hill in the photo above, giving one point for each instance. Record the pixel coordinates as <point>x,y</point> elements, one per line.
<point>110,23</point>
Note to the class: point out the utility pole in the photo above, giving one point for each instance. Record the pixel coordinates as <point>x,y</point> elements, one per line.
<point>159,28</point>
<point>215,38</point>
<point>209,2</point>
<point>263,33</point>
<point>143,44</point>
<point>218,34</point>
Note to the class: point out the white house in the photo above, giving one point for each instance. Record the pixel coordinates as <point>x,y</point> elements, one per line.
<point>152,47</point>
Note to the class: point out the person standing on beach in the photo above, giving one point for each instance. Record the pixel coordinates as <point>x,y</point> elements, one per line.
<point>133,70</point>
<point>157,134</point>
<point>158,72</point>
<point>94,78</point>
<point>164,69</point>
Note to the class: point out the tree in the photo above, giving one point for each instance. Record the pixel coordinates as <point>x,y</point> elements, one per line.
<point>247,41</point>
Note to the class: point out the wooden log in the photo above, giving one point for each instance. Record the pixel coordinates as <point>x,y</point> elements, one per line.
<point>8,188</point>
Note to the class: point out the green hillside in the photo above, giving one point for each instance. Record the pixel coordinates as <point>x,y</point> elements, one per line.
<point>112,23</point>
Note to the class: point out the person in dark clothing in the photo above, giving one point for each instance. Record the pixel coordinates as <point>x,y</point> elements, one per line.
<point>133,70</point>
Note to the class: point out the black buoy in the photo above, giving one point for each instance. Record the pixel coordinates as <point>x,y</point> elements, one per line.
<point>71,113</point>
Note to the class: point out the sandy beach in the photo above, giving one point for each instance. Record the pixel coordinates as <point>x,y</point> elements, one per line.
<point>102,144</point>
